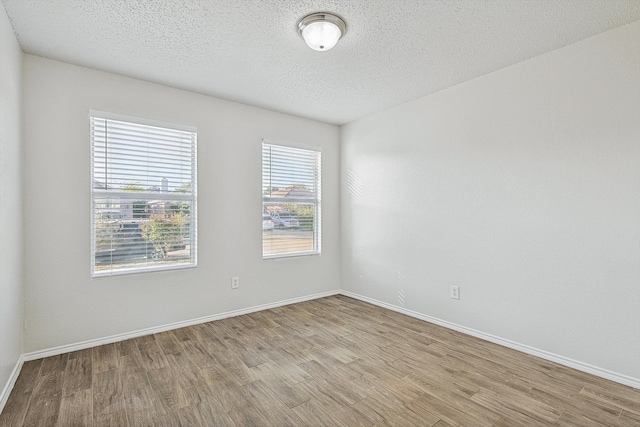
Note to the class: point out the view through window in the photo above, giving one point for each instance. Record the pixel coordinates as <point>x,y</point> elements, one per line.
<point>143,195</point>
<point>290,201</point>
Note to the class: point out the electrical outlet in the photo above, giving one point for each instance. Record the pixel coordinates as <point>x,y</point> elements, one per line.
<point>235,282</point>
<point>455,292</point>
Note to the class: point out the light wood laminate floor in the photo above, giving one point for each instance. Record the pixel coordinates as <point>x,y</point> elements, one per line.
<point>329,362</point>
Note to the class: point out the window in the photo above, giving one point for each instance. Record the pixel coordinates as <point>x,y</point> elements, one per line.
<point>143,195</point>
<point>290,201</point>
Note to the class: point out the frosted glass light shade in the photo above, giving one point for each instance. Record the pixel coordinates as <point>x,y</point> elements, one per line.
<point>321,31</point>
<point>321,35</point>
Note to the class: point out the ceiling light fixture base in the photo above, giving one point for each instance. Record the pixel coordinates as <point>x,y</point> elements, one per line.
<point>321,30</point>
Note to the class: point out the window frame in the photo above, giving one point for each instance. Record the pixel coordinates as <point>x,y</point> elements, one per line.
<point>316,202</point>
<point>99,194</point>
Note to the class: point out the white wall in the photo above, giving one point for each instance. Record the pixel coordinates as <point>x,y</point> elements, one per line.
<point>11,295</point>
<point>63,304</point>
<point>523,188</point>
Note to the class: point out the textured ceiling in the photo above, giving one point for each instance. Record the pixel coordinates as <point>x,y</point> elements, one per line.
<point>249,50</point>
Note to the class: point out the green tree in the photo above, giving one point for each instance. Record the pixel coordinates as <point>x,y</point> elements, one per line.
<point>183,188</point>
<point>182,206</point>
<point>106,233</point>
<point>133,187</point>
<point>164,231</point>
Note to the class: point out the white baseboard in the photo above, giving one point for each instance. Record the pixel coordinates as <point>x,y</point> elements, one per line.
<point>4,396</point>
<point>580,366</point>
<point>39,354</point>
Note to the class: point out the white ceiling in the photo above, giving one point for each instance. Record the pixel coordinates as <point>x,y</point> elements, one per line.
<point>249,50</point>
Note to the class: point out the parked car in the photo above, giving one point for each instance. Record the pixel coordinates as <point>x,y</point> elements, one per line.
<point>284,219</point>
<point>109,216</point>
<point>267,222</point>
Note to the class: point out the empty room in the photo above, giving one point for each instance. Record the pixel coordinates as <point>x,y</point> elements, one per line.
<point>449,226</point>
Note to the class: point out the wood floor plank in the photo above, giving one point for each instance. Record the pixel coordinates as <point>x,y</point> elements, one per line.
<point>334,361</point>
<point>250,415</point>
<point>116,419</point>
<point>145,418</point>
<point>517,407</point>
<point>108,397</point>
<point>198,354</point>
<point>333,366</point>
<point>461,401</point>
<point>147,338</point>
<point>18,402</point>
<point>291,394</point>
<point>320,412</point>
<point>578,404</point>
<point>53,364</point>
<point>126,347</point>
<point>131,361</point>
<point>378,395</point>
<point>166,387</point>
<point>265,319</point>
<point>209,411</point>
<point>614,397</point>
<point>628,419</point>
<point>221,389</point>
<point>246,354</point>
<point>14,410</point>
<point>387,377</point>
<point>169,344</point>
<point>346,393</point>
<point>287,364</point>
<point>186,417</point>
<point>409,417</point>
<point>27,379</point>
<point>568,419</point>
<point>440,407</point>
<point>44,405</point>
<point>105,358</point>
<point>152,355</point>
<point>76,409</point>
<point>186,373</point>
<point>277,412</point>
<point>78,373</point>
<point>234,367</point>
<point>371,410</point>
<point>139,395</point>
<point>206,336</point>
<point>183,334</point>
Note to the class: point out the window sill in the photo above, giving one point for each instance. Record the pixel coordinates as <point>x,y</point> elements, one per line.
<point>292,255</point>
<point>143,270</point>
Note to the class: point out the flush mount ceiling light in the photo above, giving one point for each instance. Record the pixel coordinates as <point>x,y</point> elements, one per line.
<point>321,31</point>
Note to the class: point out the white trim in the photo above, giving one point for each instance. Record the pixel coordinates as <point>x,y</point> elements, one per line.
<point>4,396</point>
<point>561,360</point>
<point>39,354</point>
<point>290,255</point>
<point>99,196</point>
<point>142,270</point>
<point>581,366</point>
<point>142,121</point>
<point>298,145</point>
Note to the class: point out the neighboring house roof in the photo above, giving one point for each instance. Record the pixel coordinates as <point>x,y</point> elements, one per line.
<point>100,185</point>
<point>294,192</point>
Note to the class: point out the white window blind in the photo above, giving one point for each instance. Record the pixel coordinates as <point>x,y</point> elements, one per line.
<point>291,201</point>
<point>143,196</point>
